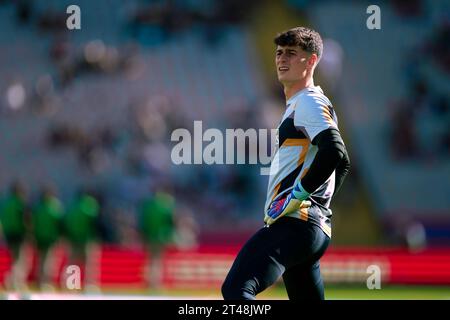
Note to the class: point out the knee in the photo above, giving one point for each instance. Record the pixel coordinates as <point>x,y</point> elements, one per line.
<point>228,291</point>
<point>234,291</point>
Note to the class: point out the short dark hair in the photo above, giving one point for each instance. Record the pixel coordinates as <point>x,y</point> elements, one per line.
<point>307,39</point>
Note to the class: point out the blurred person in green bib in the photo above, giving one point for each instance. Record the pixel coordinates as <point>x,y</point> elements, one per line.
<point>13,226</point>
<point>157,228</point>
<point>46,224</point>
<point>80,230</point>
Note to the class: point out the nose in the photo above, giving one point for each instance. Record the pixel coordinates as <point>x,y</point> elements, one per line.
<point>282,58</point>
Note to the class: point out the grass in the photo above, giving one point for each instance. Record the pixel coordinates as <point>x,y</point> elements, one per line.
<point>387,292</point>
<point>277,292</point>
<point>332,292</point>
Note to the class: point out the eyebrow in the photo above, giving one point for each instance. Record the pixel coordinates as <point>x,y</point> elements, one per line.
<point>288,50</point>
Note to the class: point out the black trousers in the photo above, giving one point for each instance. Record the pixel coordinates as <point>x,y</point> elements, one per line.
<point>290,248</point>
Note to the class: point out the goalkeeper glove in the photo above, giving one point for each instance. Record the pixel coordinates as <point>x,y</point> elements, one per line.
<point>293,202</point>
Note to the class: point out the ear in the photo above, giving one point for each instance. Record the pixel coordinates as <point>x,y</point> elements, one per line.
<point>312,60</point>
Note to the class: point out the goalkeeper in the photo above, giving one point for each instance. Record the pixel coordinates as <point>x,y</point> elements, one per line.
<point>306,172</point>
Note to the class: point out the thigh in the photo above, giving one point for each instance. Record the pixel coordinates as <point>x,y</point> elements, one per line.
<point>304,282</point>
<point>256,266</point>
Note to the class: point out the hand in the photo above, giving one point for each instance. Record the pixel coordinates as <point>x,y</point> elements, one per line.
<point>295,201</point>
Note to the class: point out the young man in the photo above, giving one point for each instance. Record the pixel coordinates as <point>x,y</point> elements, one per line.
<point>307,170</point>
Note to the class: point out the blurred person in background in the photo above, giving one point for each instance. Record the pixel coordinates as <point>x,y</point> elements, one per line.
<point>46,229</point>
<point>306,172</point>
<point>157,226</point>
<point>81,231</point>
<point>187,229</point>
<point>14,216</point>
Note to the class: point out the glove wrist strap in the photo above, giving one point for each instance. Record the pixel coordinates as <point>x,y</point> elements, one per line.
<point>300,193</point>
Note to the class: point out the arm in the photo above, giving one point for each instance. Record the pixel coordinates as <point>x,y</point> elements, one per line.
<point>332,155</point>
<point>342,170</point>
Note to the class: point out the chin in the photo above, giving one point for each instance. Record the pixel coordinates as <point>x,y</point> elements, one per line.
<point>282,78</point>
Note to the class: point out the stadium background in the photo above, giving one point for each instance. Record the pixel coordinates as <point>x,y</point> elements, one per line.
<point>96,107</point>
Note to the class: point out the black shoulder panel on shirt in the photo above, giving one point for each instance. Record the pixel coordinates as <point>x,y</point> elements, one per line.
<point>288,130</point>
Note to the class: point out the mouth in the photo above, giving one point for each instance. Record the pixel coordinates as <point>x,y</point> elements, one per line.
<point>283,69</point>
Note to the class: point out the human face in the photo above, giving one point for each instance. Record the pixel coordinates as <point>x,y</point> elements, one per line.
<point>293,64</point>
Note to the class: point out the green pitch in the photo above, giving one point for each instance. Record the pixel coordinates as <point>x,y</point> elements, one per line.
<point>352,292</point>
<point>276,292</point>
<point>332,292</point>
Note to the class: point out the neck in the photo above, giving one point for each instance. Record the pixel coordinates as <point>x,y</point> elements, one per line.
<point>291,89</point>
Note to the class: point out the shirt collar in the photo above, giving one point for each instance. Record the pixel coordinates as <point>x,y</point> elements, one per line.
<point>315,88</point>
